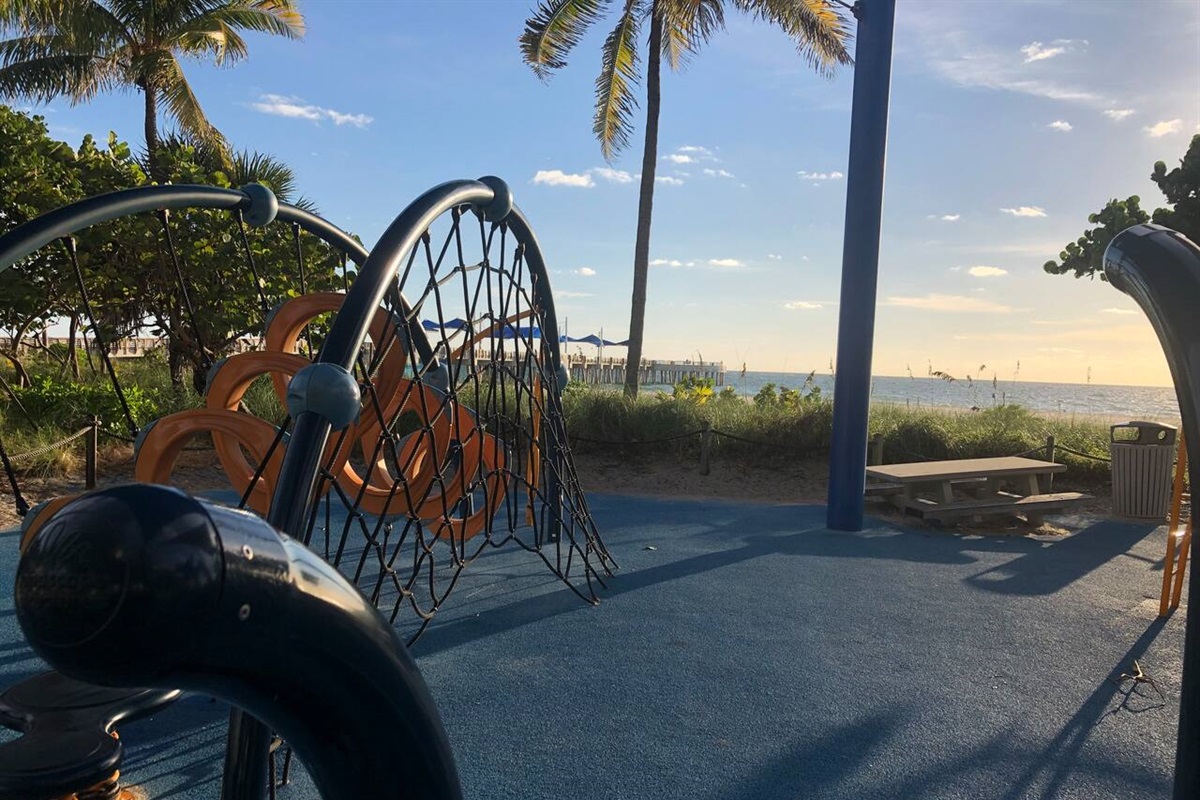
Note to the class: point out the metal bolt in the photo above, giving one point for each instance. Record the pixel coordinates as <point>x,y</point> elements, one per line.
<point>244,613</point>
<point>248,552</point>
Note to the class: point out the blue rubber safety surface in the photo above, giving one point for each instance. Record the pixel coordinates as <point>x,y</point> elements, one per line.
<point>744,652</point>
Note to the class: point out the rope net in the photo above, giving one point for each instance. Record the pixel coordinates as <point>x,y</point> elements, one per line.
<point>460,446</point>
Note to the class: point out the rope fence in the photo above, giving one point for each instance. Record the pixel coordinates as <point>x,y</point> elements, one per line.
<point>44,449</point>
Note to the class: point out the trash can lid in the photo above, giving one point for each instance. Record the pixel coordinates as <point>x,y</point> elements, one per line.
<point>1146,432</point>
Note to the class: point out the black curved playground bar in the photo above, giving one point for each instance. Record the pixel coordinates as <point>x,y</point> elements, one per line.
<point>1160,269</point>
<point>145,586</point>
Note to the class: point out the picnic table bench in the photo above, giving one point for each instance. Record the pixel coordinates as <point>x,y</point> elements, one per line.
<point>904,483</point>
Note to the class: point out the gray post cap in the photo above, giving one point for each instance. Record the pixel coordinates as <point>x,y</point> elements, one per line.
<point>326,389</point>
<point>263,205</point>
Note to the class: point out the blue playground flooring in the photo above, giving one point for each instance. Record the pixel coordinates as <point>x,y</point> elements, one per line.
<point>745,652</point>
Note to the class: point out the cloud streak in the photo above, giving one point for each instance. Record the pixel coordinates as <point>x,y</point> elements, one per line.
<point>820,176</point>
<point>986,272</point>
<point>295,108</point>
<point>1164,128</point>
<point>949,303</point>
<point>556,177</point>
<point>1025,211</point>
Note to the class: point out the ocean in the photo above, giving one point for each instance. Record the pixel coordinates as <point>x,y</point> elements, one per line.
<point>1092,400</point>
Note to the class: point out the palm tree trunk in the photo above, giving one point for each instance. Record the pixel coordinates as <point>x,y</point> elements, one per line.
<point>641,248</point>
<point>151,128</point>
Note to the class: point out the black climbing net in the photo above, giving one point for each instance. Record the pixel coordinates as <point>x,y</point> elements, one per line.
<point>460,445</point>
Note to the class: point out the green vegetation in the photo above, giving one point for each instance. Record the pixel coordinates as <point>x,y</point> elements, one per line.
<point>678,30</point>
<point>126,264</point>
<point>1180,186</point>
<point>777,425</point>
<point>785,424</point>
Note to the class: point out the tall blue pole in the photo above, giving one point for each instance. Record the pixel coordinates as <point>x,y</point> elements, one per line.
<point>860,261</point>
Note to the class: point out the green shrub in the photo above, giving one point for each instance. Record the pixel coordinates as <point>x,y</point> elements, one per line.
<point>64,404</point>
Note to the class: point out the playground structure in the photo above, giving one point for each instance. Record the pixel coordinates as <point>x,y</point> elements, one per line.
<point>1160,272</point>
<point>401,456</point>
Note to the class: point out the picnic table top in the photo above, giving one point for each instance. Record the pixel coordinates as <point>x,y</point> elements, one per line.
<point>963,468</point>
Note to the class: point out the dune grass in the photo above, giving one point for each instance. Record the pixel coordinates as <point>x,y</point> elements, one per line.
<point>773,427</point>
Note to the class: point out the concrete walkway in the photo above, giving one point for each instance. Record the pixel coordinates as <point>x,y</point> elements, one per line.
<point>744,652</point>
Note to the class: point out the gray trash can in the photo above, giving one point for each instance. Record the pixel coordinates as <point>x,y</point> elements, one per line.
<point>1143,455</point>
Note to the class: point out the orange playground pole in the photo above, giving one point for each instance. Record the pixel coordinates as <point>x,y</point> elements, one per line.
<point>1168,599</point>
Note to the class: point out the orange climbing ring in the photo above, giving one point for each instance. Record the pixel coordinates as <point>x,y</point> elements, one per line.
<point>427,474</point>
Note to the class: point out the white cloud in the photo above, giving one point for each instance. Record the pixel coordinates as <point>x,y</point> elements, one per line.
<point>565,293</point>
<point>949,303</point>
<point>820,176</point>
<point>986,272</point>
<point>556,177</point>
<point>961,58</point>
<point>1025,211</point>
<point>1118,114</point>
<point>1163,128</point>
<point>803,305</point>
<point>586,272</point>
<point>1036,51</point>
<point>667,180</point>
<point>295,108</point>
<point>774,257</point>
<point>693,148</point>
<point>1118,311</point>
<point>677,158</point>
<point>667,262</point>
<point>611,175</point>
<point>1060,125</point>
<point>718,173</point>
<point>945,217</point>
<point>725,263</point>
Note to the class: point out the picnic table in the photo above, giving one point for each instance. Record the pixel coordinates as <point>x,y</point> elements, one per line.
<point>981,479</point>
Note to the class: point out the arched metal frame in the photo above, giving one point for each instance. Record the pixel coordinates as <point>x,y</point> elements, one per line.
<point>247,753</point>
<point>62,222</point>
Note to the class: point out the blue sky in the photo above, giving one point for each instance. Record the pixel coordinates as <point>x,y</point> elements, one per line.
<point>1010,123</point>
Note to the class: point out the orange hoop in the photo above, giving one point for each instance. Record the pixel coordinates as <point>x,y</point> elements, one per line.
<point>229,384</point>
<point>162,444</point>
<point>291,318</point>
<point>419,457</point>
<point>491,465</point>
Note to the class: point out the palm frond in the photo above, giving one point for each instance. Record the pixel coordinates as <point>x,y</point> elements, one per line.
<point>256,167</point>
<point>184,107</point>
<point>820,30</point>
<point>615,101</point>
<point>222,42</point>
<point>555,28</point>
<point>216,29</point>
<point>687,26</point>
<point>42,79</point>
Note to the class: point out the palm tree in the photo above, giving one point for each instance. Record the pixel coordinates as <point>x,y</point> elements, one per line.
<point>678,29</point>
<point>80,48</point>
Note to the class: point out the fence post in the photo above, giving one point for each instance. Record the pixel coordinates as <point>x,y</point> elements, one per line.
<point>705,447</point>
<point>1050,457</point>
<point>93,444</point>
<point>875,457</point>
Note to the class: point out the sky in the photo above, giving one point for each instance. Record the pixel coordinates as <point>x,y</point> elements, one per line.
<point>1010,122</point>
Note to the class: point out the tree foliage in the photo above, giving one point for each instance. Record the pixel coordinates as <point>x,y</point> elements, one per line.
<point>1181,187</point>
<point>129,265</point>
